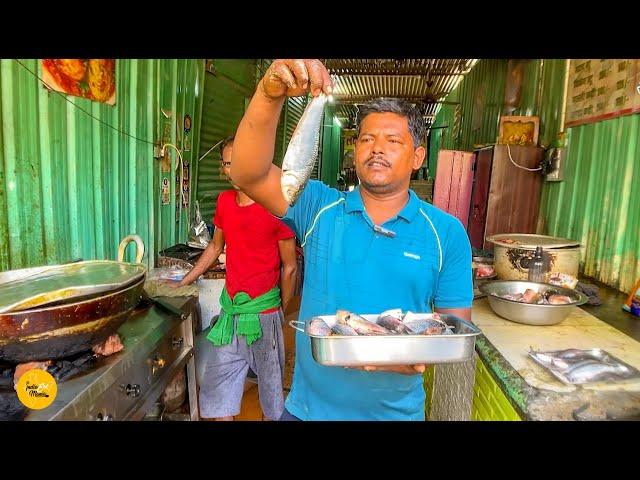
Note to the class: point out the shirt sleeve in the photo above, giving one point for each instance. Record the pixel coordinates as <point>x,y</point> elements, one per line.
<point>282,231</point>
<point>315,196</point>
<point>217,217</point>
<point>455,285</point>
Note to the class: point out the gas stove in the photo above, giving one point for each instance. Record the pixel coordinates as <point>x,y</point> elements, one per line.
<point>158,342</point>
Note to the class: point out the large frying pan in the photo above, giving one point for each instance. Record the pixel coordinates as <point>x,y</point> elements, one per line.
<point>63,329</point>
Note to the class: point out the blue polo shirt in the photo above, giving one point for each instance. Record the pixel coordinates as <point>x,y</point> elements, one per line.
<point>350,265</point>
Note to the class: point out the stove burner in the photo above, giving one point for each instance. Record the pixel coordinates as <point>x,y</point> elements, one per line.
<point>67,368</point>
<point>11,409</point>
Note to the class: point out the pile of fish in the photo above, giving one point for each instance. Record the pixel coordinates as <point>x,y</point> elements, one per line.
<point>390,322</point>
<point>584,366</point>
<point>550,297</point>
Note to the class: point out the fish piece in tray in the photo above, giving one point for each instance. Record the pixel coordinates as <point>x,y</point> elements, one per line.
<point>429,326</point>
<point>343,329</point>
<point>576,366</point>
<point>359,324</point>
<point>392,320</point>
<point>319,327</point>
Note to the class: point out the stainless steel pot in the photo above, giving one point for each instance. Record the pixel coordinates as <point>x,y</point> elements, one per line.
<point>513,253</point>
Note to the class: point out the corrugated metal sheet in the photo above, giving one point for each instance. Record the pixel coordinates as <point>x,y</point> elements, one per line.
<point>472,112</point>
<point>327,167</point>
<point>71,187</point>
<point>543,98</point>
<point>599,201</point>
<point>226,93</point>
<point>530,95</point>
<point>422,81</point>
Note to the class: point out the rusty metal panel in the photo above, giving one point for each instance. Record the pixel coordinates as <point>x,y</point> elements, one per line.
<point>514,193</point>
<point>480,197</point>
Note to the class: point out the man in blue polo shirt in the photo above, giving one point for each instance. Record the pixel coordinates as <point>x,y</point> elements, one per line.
<point>369,250</point>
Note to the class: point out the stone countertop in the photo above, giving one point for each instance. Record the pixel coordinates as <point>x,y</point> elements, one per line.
<point>537,402</point>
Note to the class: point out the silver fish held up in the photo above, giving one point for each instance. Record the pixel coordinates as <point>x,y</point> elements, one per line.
<point>302,152</point>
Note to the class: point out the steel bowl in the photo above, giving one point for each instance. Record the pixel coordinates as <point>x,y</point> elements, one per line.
<point>529,313</point>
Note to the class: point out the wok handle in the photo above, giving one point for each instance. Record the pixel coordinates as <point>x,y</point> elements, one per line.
<point>293,323</point>
<point>139,247</point>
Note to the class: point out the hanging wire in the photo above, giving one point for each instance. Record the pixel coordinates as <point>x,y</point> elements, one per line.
<point>208,151</point>
<point>79,107</point>
<point>520,166</point>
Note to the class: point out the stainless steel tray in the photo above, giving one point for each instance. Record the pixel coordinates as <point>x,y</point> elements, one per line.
<point>596,366</point>
<point>361,350</point>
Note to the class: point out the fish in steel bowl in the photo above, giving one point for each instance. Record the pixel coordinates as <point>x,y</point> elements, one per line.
<point>531,303</point>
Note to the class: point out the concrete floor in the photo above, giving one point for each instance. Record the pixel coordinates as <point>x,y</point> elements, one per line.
<point>611,310</point>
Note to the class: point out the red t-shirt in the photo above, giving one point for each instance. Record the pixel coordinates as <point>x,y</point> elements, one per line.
<point>251,235</point>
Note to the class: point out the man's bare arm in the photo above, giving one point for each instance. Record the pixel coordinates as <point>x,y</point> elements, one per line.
<point>289,269</point>
<point>210,255</point>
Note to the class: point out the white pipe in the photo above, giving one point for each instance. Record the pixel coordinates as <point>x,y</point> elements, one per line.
<point>564,95</point>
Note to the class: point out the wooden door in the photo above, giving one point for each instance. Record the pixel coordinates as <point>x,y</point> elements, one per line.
<point>454,182</point>
<point>480,197</point>
<point>514,193</point>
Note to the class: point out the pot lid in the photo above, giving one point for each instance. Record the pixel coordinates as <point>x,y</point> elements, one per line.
<point>530,241</point>
<point>29,288</point>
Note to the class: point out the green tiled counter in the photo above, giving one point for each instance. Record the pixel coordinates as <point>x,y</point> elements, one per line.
<point>489,401</point>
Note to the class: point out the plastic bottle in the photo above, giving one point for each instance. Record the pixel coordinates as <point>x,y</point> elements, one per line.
<point>633,302</point>
<point>536,267</point>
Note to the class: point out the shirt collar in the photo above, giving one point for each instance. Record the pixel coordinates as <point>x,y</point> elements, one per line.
<point>408,212</point>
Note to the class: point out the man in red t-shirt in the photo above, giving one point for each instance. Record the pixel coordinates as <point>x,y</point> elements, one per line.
<point>248,332</point>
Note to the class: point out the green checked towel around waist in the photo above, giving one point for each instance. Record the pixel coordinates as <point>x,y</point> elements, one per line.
<point>249,319</point>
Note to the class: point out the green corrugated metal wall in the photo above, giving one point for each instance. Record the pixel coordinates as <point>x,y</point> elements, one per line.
<point>71,187</point>
<point>547,102</point>
<point>225,98</point>
<point>478,101</point>
<point>226,93</point>
<point>223,107</point>
<point>599,201</point>
<point>331,148</point>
